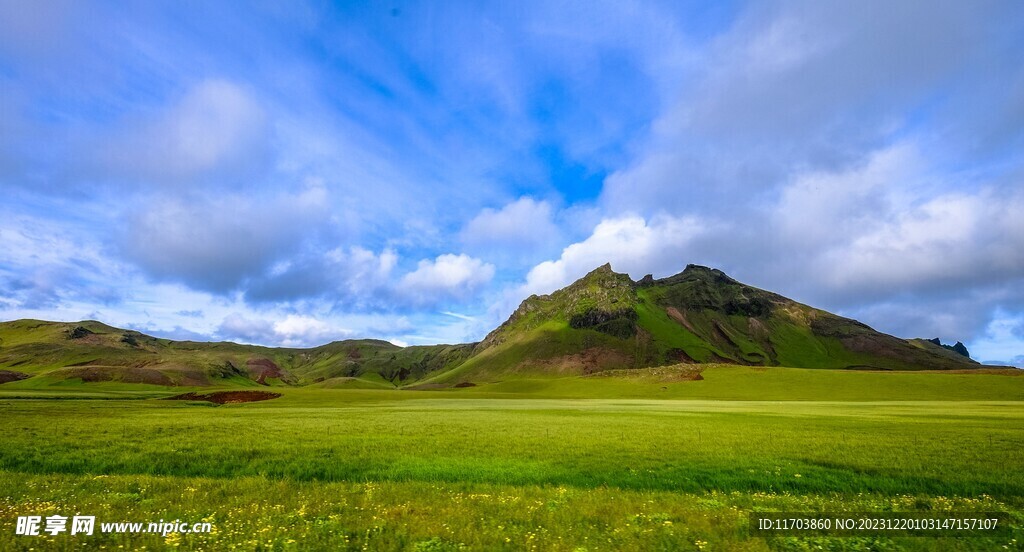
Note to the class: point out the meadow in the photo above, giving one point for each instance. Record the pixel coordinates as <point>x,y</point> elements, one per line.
<point>529,464</point>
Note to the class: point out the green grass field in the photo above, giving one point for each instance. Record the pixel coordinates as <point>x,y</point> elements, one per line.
<point>593,463</point>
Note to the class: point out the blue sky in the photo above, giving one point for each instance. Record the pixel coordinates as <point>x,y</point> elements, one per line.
<point>293,173</point>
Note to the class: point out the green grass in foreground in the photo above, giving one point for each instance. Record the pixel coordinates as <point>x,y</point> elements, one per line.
<point>484,469</point>
<point>255,513</point>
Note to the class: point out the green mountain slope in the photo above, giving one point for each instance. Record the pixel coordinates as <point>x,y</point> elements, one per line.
<point>604,321</point>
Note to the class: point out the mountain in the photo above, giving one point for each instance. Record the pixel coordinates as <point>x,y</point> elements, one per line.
<point>603,321</point>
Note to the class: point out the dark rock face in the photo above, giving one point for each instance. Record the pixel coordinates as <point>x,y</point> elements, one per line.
<point>717,292</point>
<point>753,306</point>
<point>646,281</point>
<point>11,375</point>
<point>619,323</point>
<point>79,332</point>
<point>228,369</point>
<point>594,317</point>
<point>959,348</point>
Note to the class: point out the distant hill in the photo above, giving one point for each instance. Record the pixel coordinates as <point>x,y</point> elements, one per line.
<point>90,351</point>
<point>604,321</point>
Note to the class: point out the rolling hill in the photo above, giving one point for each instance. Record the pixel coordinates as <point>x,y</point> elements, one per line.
<point>604,321</point>
<point>34,352</point>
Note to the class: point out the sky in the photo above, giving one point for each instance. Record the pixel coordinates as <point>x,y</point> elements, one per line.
<point>292,173</point>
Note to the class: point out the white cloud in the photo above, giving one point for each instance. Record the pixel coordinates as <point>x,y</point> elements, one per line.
<point>631,244</point>
<point>951,240</point>
<point>523,224</point>
<point>292,331</point>
<point>217,129</point>
<point>446,277</point>
<point>370,266</point>
<point>296,331</point>
<point>215,243</point>
<point>823,207</point>
<point>241,328</point>
<point>459,316</point>
<point>42,266</point>
<point>354,277</point>
<point>797,87</point>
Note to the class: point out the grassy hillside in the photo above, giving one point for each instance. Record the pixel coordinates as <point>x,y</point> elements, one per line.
<point>57,353</point>
<point>723,319</point>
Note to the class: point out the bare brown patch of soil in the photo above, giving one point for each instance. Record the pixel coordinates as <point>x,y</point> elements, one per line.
<point>664,374</point>
<point>88,337</point>
<point>11,375</point>
<point>680,317</point>
<point>263,368</point>
<point>227,397</point>
<point>757,328</point>
<point>687,376</point>
<point>594,359</point>
<point>465,384</point>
